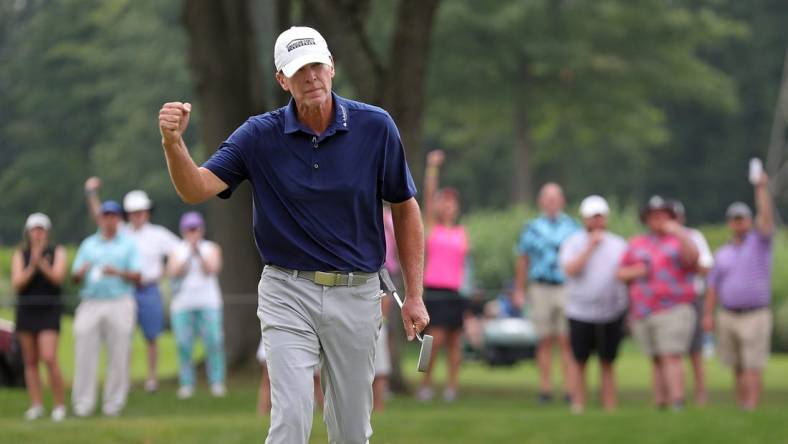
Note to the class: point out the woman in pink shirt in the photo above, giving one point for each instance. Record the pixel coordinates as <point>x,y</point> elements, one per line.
<point>444,270</point>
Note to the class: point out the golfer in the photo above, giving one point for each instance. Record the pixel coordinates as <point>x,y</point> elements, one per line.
<point>320,169</point>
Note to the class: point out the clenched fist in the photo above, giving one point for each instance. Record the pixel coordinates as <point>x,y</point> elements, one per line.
<point>173,120</point>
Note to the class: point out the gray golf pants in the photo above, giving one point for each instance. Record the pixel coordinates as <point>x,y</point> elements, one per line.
<point>305,325</point>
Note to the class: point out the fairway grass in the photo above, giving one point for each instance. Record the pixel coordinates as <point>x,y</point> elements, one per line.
<point>495,406</point>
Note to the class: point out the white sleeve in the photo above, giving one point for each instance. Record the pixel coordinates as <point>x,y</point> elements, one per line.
<point>167,240</point>
<point>705,258</point>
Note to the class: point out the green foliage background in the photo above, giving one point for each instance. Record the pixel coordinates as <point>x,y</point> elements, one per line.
<point>624,99</point>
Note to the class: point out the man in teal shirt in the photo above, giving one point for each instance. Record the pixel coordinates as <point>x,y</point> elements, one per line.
<point>108,264</point>
<point>537,269</point>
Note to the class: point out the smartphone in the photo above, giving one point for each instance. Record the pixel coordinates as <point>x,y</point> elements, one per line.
<point>756,169</point>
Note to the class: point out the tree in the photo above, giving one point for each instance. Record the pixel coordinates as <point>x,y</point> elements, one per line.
<point>228,84</point>
<point>79,83</point>
<point>570,88</point>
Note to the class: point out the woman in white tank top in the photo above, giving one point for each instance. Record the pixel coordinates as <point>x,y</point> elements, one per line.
<point>196,308</point>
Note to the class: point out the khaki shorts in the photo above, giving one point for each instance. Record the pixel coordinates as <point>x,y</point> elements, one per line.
<point>744,339</point>
<point>548,304</point>
<point>666,332</point>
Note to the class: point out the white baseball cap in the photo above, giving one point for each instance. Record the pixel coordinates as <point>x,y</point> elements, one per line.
<point>594,205</point>
<point>38,220</point>
<point>299,46</point>
<point>136,200</point>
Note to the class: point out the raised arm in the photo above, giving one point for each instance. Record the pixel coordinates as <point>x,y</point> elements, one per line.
<point>92,186</point>
<point>409,233</point>
<point>431,181</point>
<point>764,213</point>
<point>194,184</point>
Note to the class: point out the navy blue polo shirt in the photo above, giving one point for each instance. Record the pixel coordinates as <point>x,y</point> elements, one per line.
<point>318,200</point>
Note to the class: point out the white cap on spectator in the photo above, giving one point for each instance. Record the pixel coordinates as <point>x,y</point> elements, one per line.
<point>593,206</point>
<point>299,46</point>
<point>136,200</point>
<point>38,220</point>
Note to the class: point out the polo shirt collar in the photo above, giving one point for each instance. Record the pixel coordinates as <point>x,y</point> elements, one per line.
<point>341,120</point>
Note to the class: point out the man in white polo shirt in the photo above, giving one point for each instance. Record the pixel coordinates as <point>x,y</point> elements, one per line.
<point>596,300</point>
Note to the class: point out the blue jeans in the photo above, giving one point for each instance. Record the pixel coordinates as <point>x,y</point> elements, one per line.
<point>186,325</point>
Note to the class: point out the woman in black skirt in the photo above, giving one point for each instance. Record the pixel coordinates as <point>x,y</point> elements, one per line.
<point>447,246</point>
<point>37,273</point>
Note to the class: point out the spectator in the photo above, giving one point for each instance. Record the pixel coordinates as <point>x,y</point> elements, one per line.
<point>445,255</point>
<point>705,262</point>
<point>659,267</point>
<point>154,243</point>
<point>537,267</point>
<point>109,265</point>
<point>37,273</point>
<point>597,301</point>
<point>196,307</point>
<point>741,281</point>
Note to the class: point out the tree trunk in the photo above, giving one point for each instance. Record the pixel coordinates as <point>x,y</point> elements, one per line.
<point>228,83</point>
<point>404,81</point>
<point>522,178</point>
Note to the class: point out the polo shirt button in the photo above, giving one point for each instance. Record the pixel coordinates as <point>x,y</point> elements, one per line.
<point>316,166</point>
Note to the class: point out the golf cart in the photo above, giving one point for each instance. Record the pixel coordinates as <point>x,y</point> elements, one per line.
<point>508,340</point>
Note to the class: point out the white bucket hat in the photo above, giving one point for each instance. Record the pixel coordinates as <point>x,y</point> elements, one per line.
<point>299,46</point>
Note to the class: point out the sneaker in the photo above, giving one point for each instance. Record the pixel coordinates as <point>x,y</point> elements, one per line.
<point>185,392</point>
<point>59,413</point>
<point>450,395</point>
<point>34,412</point>
<point>545,398</point>
<point>218,390</point>
<point>424,394</point>
<point>151,386</point>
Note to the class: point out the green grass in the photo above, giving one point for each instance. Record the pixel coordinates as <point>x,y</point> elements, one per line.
<point>496,406</point>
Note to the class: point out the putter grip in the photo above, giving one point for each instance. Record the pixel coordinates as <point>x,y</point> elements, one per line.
<point>388,284</point>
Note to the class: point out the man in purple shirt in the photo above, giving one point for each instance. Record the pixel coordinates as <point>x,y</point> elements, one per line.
<point>740,280</point>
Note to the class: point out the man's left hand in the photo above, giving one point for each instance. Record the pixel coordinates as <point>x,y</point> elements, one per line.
<point>414,316</point>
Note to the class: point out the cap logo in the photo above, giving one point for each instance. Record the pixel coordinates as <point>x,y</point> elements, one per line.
<point>297,43</point>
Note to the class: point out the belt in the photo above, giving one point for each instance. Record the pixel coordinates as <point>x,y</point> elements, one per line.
<point>548,282</point>
<point>744,310</point>
<point>330,279</point>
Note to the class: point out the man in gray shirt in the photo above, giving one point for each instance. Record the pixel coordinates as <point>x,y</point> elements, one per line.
<point>596,300</point>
